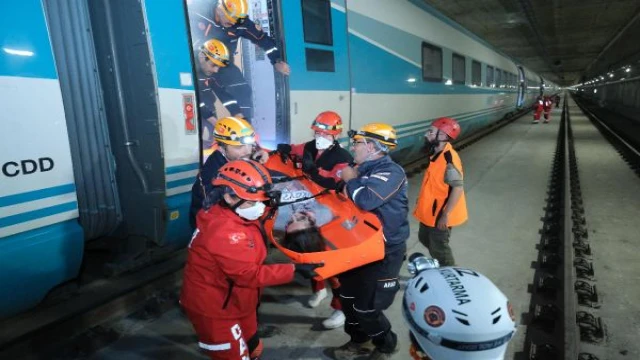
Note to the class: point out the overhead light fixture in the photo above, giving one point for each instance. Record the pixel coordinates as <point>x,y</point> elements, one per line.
<point>17,52</point>
<point>628,69</point>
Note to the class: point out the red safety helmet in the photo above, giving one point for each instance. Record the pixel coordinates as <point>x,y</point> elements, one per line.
<point>248,179</point>
<point>327,122</point>
<point>448,126</point>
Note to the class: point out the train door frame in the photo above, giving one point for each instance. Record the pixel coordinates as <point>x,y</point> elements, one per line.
<point>522,87</point>
<point>317,39</point>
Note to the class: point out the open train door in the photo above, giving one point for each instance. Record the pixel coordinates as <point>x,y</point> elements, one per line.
<point>316,47</point>
<point>269,107</point>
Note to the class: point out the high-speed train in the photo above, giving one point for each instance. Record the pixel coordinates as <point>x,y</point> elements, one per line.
<point>100,139</point>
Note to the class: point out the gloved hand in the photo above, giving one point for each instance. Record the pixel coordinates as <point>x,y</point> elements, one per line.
<point>309,164</point>
<point>340,185</point>
<point>307,270</point>
<point>285,151</point>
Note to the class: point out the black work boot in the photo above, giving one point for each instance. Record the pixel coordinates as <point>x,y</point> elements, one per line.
<point>386,346</point>
<point>352,351</point>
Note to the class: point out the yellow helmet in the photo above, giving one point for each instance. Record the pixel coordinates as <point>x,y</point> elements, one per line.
<point>234,131</point>
<point>234,10</point>
<point>383,133</point>
<point>216,51</point>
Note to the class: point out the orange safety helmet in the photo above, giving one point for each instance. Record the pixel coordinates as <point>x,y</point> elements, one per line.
<point>448,126</point>
<point>327,122</point>
<point>234,10</point>
<point>247,178</point>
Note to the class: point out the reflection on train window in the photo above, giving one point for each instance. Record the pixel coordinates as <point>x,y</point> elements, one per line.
<point>431,62</point>
<point>316,18</point>
<point>320,60</point>
<point>459,69</point>
<point>490,76</point>
<point>476,73</point>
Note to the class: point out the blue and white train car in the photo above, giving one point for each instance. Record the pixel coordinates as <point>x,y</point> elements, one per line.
<point>101,143</point>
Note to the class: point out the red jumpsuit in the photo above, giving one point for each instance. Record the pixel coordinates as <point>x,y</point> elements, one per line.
<point>548,104</point>
<point>334,173</point>
<point>223,278</point>
<point>538,107</point>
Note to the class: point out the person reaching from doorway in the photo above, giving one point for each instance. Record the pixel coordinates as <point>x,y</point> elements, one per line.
<point>230,22</point>
<point>323,160</point>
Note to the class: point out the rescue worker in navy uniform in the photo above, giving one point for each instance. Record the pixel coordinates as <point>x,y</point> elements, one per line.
<point>323,159</point>
<point>213,55</point>
<point>236,140</point>
<point>230,22</point>
<point>225,270</point>
<point>379,185</point>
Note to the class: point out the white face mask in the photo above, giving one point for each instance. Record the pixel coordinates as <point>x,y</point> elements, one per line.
<point>252,213</point>
<point>322,143</point>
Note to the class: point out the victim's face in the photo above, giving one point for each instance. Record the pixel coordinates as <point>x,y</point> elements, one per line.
<point>300,221</point>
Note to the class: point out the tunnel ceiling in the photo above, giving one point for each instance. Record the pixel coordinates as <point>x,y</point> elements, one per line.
<point>565,41</point>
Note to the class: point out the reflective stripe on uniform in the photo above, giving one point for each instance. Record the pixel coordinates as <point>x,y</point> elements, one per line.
<point>215,347</point>
<point>355,192</point>
<point>229,103</point>
<point>270,50</point>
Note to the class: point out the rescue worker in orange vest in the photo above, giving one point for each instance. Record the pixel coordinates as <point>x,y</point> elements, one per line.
<point>225,274</point>
<point>548,104</point>
<point>441,202</point>
<point>538,107</point>
<point>323,160</point>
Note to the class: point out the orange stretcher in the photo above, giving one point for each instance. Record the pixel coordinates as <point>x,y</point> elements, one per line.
<point>353,236</point>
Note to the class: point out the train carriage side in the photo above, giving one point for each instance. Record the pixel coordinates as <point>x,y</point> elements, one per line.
<point>41,242</point>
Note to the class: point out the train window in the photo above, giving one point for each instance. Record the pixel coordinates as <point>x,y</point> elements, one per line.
<point>316,19</point>
<point>490,76</point>
<point>498,78</point>
<point>320,60</point>
<point>476,73</point>
<point>431,63</point>
<point>459,69</point>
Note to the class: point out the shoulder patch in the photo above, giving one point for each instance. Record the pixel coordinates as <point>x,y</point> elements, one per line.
<point>236,237</point>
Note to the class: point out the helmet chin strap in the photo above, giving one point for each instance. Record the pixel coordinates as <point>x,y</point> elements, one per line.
<point>369,155</point>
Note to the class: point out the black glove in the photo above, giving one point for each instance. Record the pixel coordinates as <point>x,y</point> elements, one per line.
<point>307,270</point>
<point>285,151</point>
<point>309,164</point>
<point>340,186</point>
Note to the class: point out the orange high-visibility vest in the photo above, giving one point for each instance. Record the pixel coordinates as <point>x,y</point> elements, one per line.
<point>434,192</point>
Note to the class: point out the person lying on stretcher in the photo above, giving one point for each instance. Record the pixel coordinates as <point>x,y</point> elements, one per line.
<point>312,224</point>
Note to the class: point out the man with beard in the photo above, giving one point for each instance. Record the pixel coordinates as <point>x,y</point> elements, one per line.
<point>441,203</point>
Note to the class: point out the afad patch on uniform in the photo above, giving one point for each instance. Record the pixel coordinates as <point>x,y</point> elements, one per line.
<point>235,238</point>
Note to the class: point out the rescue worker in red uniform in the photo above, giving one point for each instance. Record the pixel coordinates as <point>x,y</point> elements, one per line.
<point>228,23</point>
<point>323,160</point>
<point>538,107</point>
<point>225,273</point>
<point>548,104</point>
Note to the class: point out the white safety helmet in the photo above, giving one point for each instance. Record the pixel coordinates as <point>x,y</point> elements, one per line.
<point>456,313</point>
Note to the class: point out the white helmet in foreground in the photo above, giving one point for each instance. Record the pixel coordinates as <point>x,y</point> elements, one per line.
<point>455,313</point>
